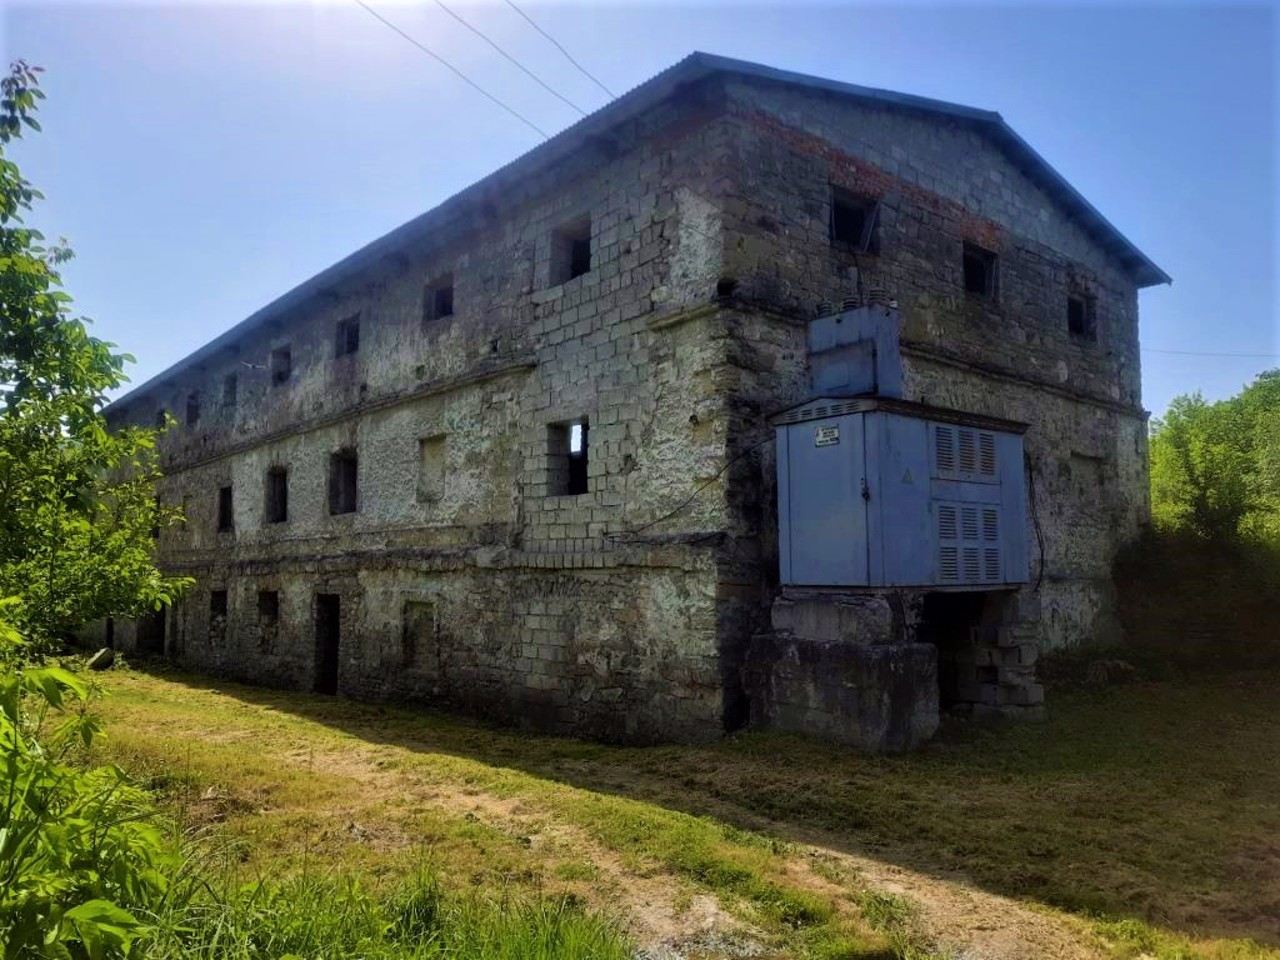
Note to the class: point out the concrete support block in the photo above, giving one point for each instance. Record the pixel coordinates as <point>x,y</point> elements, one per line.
<point>846,619</point>
<point>877,697</point>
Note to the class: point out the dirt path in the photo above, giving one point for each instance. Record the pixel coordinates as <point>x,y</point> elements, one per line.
<point>963,921</point>
<point>666,915</point>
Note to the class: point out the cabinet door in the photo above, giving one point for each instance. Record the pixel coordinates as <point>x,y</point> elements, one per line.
<point>826,515</point>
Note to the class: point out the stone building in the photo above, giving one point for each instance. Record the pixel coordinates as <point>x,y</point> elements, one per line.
<point>513,457</point>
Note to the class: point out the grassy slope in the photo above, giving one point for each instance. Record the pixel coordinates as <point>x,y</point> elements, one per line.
<point>1153,804</point>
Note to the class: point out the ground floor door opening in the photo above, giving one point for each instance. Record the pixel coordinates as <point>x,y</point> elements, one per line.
<point>150,633</point>
<point>328,619</point>
<point>947,621</point>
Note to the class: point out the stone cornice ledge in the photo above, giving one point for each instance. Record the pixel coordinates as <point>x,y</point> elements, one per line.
<point>478,374</point>
<point>929,352</point>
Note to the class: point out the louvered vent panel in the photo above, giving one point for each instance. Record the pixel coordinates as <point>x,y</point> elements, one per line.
<point>991,564</point>
<point>990,523</point>
<point>967,442</point>
<point>944,451</point>
<point>987,454</point>
<point>947,527</point>
<point>818,411</point>
<point>949,567</point>
<point>969,549</point>
<point>963,453</point>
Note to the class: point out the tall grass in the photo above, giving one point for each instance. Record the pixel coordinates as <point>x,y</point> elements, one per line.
<point>334,918</point>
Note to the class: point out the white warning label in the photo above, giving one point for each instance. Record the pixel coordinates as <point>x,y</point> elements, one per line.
<point>826,436</point>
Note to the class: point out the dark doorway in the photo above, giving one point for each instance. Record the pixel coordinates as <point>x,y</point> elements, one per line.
<point>328,616</point>
<point>150,633</point>
<point>111,633</point>
<point>947,621</point>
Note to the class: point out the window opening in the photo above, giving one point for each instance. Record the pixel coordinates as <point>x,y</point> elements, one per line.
<point>979,271</point>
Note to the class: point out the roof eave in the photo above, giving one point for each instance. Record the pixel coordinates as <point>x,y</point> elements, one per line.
<point>631,104</point>
<point>691,69</point>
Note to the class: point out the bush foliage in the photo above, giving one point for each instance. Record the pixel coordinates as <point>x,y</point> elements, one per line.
<point>1202,587</point>
<point>1215,467</point>
<point>74,844</point>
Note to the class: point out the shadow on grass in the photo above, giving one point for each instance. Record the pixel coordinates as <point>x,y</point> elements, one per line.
<point>1146,801</point>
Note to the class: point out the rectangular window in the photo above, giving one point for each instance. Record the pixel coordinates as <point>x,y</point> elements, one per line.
<point>431,465</point>
<point>853,221</point>
<point>567,448</point>
<point>193,409</point>
<point>277,499</point>
<point>343,469</point>
<point>1082,317</point>
<point>230,390</point>
<point>979,271</point>
<point>437,299</point>
<point>226,518</point>
<point>570,250</point>
<point>348,336</point>
<point>162,418</point>
<point>281,365</point>
<point>269,604</point>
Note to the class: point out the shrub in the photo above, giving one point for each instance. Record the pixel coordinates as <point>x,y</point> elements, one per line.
<point>74,844</point>
<point>1200,602</point>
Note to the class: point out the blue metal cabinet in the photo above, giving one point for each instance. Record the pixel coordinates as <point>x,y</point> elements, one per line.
<point>825,537</point>
<point>881,492</point>
<point>855,353</point>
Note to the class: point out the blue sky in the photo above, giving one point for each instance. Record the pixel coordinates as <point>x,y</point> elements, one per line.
<point>203,159</point>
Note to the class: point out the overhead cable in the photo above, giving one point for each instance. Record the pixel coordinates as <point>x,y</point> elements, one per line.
<point>441,60</point>
<point>568,56</point>
<point>527,72</point>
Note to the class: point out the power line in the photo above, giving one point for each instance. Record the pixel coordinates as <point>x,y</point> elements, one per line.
<point>471,83</point>
<point>1205,353</point>
<point>529,73</point>
<point>568,56</point>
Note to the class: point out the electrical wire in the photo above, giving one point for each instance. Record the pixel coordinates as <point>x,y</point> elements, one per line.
<point>1203,353</point>
<point>568,56</point>
<point>628,535</point>
<point>1035,516</point>
<point>441,60</point>
<point>527,72</point>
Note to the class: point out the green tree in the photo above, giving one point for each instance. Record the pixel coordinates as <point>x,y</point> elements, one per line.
<point>1215,467</point>
<point>77,506</point>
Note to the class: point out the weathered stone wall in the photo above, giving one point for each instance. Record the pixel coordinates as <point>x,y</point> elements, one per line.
<point>467,577</point>
<point>620,653</point>
<point>939,184</point>
<point>546,608</point>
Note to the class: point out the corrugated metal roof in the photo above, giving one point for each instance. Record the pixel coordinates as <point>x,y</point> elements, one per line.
<point>696,66</point>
